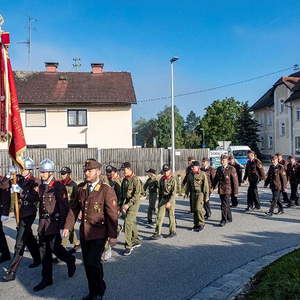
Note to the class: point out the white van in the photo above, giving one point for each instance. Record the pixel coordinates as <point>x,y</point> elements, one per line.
<point>239,153</point>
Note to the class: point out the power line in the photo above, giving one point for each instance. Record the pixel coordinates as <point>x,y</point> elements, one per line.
<point>294,67</point>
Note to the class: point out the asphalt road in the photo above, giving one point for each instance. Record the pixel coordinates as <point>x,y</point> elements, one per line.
<point>170,268</point>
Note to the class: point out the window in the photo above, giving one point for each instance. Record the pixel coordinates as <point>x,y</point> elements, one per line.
<point>77,145</point>
<point>262,142</point>
<point>35,118</point>
<point>270,118</point>
<point>297,144</point>
<point>281,106</point>
<point>77,117</point>
<point>270,142</point>
<point>298,113</point>
<point>282,129</point>
<point>37,146</point>
<point>261,119</point>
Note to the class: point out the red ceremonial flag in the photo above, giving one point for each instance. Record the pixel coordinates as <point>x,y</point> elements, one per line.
<point>11,129</point>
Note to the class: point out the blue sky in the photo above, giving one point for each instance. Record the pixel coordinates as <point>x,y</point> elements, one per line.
<point>218,42</point>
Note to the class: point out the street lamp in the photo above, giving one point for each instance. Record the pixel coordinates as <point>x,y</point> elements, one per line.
<point>203,140</point>
<point>172,60</point>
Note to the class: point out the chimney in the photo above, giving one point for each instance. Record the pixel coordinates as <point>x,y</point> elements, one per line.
<point>51,66</point>
<point>97,68</point>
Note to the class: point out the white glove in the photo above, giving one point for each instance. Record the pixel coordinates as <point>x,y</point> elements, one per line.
<point>4,219</point>
<point>15,188</point>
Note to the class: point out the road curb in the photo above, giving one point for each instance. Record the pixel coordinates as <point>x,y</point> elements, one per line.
<point>230,285</point>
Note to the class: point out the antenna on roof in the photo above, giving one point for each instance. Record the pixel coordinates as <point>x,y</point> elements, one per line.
<point>29,41</point>
<point>76,65</point>
<point>296,67</point>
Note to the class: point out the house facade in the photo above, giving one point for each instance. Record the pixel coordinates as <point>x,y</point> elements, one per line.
<point>76,109</point>
<point>278,114</point>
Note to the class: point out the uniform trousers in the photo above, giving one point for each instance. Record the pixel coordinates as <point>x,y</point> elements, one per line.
<point>3,243</point>
<point>198,209</point>
<point>151,207</point>
<point>131,231</point>
<point>276,200</point>
<point>52,244</point>
<point>225,208</point>
<point>161,215</point>
<point>294,194</point>
<point>91,253</point>
<point>252,195</point>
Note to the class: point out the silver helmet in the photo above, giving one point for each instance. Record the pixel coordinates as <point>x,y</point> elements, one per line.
<point>47,165</point>
<point>29,164</point>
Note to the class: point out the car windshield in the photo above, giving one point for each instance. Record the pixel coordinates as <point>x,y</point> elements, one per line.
<point>239,153</point>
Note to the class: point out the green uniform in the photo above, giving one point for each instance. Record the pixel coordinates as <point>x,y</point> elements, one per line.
<point>179,185</point>
<point>199,190</point>
<point>152,186</point>
<point>115,183</point>
<point>71,188</point>
<point>131,189</point>
<point>167,193</point>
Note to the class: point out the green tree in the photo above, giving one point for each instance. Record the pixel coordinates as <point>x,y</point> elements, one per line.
<point>146,132</point>
<point>247,129</point>
<point>163,128</point>
<point>220,121</point>
<point>191,137</point>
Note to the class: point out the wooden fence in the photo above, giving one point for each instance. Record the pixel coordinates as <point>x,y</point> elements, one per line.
<point>140,158</point>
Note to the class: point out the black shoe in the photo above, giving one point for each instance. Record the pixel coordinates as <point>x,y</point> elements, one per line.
<point>222,223</point>
<point>43,284</point>
<point>290,205</point>
<point>156,236</point>
<point>269,213</point>
<point>10,276</point>
<point>172,234</point>
<point>71,267</point>
<point>281,212</point>
<point>34,264</point>
<point>249,209</point>
<point>4,258</point>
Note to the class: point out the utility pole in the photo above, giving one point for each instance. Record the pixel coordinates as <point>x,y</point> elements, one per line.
<point>29,39</point>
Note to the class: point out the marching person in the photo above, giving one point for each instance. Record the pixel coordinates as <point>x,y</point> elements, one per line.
<point>97,202</point>
<point>276,178</point>
<point>227,182</point>
<point>254,172</point>
<point>293,177</point>
<point>152,185</point>
<point>210,173</point>
<point>4,216</point>
<point>179,184</point>
<point>53,210</point>
<point>239,171</point>
<point>185,181</point>
<point>167,198</point>
<point>200,195</point>
<point>27,189</point>
<point>131,190</point>
<point>284,164</point>
<point>71,187</point>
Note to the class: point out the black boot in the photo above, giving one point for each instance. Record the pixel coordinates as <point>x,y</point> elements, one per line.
<point>34,264</point>
<point>43,284</point>
<point>71,267</point>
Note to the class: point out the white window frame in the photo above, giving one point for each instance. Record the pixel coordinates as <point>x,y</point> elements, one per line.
<point>282,129</point>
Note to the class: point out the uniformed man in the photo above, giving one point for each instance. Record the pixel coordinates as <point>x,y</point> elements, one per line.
<point>71,187</point>
<point>210,173</point>
<point>200,195</point>
<point>53,210</point>
<point>254,172</point>
<point>167,198</point>
<point>284,163</point>
<point>4,216</point>
<point>97,203</point>
<point>27,189</point>
<point>152,186</point>
<point>179,185</point>
<point>185,181</point>
<point>131,190</point>
<point>239,171</point>
<point>276,178</point>
<point>227,182</point>
<point>293,177</point>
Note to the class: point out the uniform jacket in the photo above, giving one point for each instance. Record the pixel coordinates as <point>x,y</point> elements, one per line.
<point>199,185</point>
<point>131,190</point>
<point>239,171</point>
<point>115,183</point>
<point>167,190</point>
<point>210,173</point>
<point>187,172</point>
<point>293,173</point>
<point>99,212</point>
<point>284,163</point>
<point>54,207</point>
<point>4,196</point>
<point>152,185</point>
<point>254,169</point>
<point>71,187</point>
<point>276,177</point>
<point>226,180</point>
<point>29,197</point>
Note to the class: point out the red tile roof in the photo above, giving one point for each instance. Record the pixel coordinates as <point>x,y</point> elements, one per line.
<point>60,88</point>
